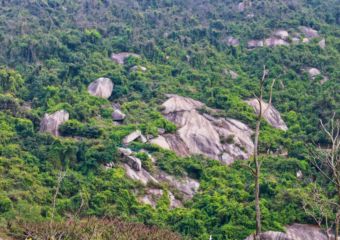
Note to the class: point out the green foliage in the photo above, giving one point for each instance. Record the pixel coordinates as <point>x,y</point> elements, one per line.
<point>49,58</point>
<point>10,80</point>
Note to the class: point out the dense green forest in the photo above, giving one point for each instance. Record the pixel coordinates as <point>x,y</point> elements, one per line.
<point>50,52</point>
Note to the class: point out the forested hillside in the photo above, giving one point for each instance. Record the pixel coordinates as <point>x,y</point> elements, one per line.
<point>137,115</point>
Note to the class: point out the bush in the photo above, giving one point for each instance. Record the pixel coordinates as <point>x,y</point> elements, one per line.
<point>5,203</point>
<point>75,128</point>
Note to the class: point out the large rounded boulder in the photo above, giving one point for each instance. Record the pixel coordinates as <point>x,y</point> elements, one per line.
<point>102,87</point>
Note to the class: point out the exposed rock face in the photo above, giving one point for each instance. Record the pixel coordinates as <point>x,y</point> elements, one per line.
<point>120,57</point>
<point>309,32</point>
<point>217,138</point>
<point>117,115</point>
<point>186,186</point>
<point>132,161</point>
<point>102,87</point>
<point>295,232</point>
<point>161,141</point>
<point>153,195</point>
<point>272,116</point>
<point>51,122</point>
<point>142,176</point>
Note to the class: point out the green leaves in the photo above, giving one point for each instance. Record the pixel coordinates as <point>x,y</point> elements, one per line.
<point>10,81</point>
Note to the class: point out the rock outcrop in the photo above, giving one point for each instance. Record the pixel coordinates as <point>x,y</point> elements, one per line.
<point>272,116</point>
<point>152,196</point>
<point>187,186</point>
<point>295,232</point>
<point>120,57</point>
<point>51,122</point>
<point>142,176</point>
<point>102,87</point>
<point>218,138</point>
<point>184,186</point>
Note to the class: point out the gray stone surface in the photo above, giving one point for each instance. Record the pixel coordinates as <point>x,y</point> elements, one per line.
<point>51,122</point>
<point>272,116</point>
<point>102,87</point>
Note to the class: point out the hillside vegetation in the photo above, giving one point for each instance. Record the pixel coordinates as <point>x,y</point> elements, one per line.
<point>52,50</point>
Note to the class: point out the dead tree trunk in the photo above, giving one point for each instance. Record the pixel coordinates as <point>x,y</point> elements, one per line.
<point>256,160</point>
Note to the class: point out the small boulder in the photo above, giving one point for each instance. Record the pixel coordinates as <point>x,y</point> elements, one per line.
<point>102,87</point>
<point>138,68</point>
<point>134,136</point>
<point>305,40</point>
<point>322,43</point>
<point>117,115</point>
<point>313,72</point>
<point>299,174</point>
<point>51,122</point>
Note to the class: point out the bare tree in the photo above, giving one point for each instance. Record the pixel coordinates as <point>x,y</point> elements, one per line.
<point>327,161</point>
<point>256,171</point>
